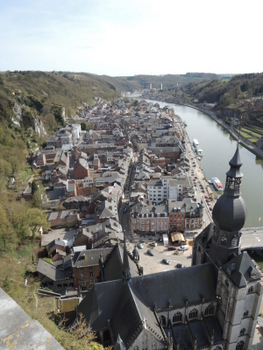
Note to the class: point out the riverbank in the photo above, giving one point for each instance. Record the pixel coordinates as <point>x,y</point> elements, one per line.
<point>244,142</point>
<point>233,132</point>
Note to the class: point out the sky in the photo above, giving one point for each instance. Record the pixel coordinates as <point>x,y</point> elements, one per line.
<point>131,37</point>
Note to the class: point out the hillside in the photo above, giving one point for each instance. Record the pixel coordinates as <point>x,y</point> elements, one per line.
<point>228,96</point>
<point>167,81</point>
<point>240,94</point>
<point>42,94</point>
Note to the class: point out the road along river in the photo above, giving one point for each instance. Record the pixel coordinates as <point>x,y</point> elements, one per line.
<point>219,147</point>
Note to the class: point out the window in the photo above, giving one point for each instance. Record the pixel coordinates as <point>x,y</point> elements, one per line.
<point>250,290</point>
<point>240,345</point>
<point>193,314</point>
<point>163,320</point>
<point>243,331</point>
<point>177,317</point>
<point>245,313</point>
<point>91,271</point>
<point>209,310</point>
<point>234,242</point>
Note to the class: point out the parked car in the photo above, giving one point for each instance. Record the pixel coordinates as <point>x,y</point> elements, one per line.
<point>179,266</point>
<point>150,252</point>
<point>140,245</point>
<point>166,262</point>
<point>183,247</point>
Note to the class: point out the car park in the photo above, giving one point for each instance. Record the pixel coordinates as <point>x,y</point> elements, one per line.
<point>166,262</point>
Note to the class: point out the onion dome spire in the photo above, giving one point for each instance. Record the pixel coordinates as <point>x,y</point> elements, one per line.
<point>229,213</point>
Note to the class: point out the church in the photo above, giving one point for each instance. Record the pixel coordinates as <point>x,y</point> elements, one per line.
<point>212,305</point>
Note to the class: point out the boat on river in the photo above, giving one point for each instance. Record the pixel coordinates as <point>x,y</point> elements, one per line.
<point>195,143</point>
<point>217,183</point>
<point>197,148</point>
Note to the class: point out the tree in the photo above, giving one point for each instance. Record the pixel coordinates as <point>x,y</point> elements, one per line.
<point>7,237</point>
<point>34,187</point>
<point>36,218</point>
<point>83,126</point>
<point>81,336</point>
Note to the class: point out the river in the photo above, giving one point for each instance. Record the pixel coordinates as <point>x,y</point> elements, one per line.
<point>219,147</point>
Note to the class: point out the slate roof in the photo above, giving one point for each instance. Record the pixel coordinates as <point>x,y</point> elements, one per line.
<point>114,300</point>
<point>101,303</point>
<point>91,257</point>
<point>120,302</point>
<point>51,271</point>
<point>176,286</point>
<point>199,329</point>
<point>116,259</point>
<point>242,270</point>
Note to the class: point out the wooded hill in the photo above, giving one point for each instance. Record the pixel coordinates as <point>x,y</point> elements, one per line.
<point>240,94</point>
<point>167,81</point>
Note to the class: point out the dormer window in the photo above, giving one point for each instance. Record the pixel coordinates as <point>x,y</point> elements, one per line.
<point>250,290</point>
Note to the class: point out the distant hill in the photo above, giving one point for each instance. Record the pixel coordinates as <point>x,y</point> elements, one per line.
<point>168,81</point>
<point>38,93</point>
<point>232,95</point>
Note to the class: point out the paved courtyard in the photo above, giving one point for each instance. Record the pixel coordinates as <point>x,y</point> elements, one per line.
<point>153,264</point>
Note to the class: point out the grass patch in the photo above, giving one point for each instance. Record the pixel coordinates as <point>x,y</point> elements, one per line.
<point>252,134</point>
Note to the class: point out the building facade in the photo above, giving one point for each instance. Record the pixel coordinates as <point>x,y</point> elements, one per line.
<point>212,305</point>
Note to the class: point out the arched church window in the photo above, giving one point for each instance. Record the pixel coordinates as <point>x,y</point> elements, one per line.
<point>193,314</point>
<point>209,310</point>
<point>177,317</point>
<point>240,345</point>
<point>163,320</point>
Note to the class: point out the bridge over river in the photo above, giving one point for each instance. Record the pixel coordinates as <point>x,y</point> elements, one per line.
<point>252,238</point>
